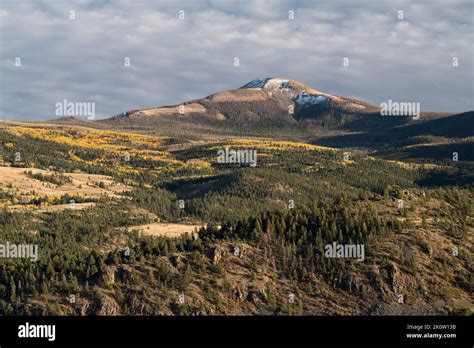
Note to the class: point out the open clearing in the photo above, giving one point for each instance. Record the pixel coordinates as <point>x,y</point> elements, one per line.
<point>16,181</point>
<point>165,229</point>
<point>60,207</point>
<point>50,208</point>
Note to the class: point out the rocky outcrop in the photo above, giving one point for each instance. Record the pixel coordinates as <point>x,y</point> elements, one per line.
<point>84,308</point>
<point>216,254</point>
<point>107,276</point>
<point>238,293</point>
<point>107,306</point>
<point>399,281</point>
<point>257,295</point>
<point>395,278</point>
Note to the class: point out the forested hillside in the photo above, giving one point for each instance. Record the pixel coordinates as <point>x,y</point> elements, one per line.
<point>96,203</point>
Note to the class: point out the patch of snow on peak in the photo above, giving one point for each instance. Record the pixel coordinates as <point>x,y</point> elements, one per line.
<point>257,83</point>
<point>269,83</point>
<point>305,98</point>
<point>278,84</point>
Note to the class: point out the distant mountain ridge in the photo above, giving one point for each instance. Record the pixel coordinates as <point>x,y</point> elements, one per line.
<point>279,100</point>
<point>286,108</point>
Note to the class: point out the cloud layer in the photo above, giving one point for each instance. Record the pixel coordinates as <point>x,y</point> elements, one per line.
<point>175,60</point>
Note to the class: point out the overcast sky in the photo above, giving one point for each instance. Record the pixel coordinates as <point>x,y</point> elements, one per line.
<point>174,60</point>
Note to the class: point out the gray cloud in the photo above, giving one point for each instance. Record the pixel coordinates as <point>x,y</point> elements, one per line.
<point>175,60</point>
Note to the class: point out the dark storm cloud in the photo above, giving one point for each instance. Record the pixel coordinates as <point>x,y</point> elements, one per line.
<point>175,60</point>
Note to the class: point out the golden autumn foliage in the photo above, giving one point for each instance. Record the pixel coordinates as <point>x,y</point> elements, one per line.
<point>273,145</point>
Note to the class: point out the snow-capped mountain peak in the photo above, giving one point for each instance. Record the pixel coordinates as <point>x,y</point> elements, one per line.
<point>268,83</point>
